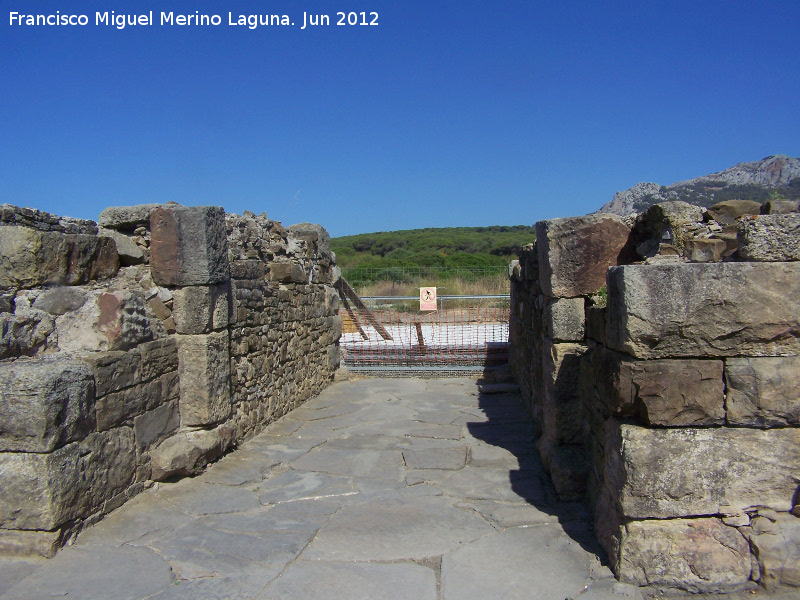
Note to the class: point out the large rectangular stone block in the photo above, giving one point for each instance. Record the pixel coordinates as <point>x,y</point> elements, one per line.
<point>44,403</point>
<point>204,367</point>
<point>32,258</point>
<point>668,473</point>
<point>763,391</point>
<point>200,309</point>
<point>574,253</point>
<point>189,245</point>
<point>661,392</point>
<point>565,320</point>
<point>114,370</point>
<point>121,407</point>
<point>770,238</point>
<point>704,309</point>
<point>697,555</point>
<point>44,491</point>
<point>159,357</point>
<point>561,366</point>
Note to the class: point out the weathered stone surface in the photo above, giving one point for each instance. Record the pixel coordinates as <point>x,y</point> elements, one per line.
<point>44,221</point>
<point>697,555</point>
<point>29,258</point>
<point>667,473</point>
<point>158,357</point>
<point>44,403</point>
<point>561,365</point>
<point>121,407</point>
<point>770,238</point>
<point>188,245</point>
<point>763,391</point>
<point>204,367</point>
<point>665,228</point>
<point>564,320</point>
<point>21,542</point>
<point>706,249</point>
<point>711,309</point>
<point>670,392</point>
<point>726,213</point>
<point>575,252</point>
<point>114,370</point>
<point>568,467</point>
<point>200,309</point>
<point>109,321</point>
<point>60,300</point>
<point>503,561</point>
<point>780,207</point>
<point>315,236</point>
<point>43,491</point>
<point>776,545</point>
<point>155,425</point>
<point>83,573</point>
<point>596,323</point>
<point>129,253</point>
<point>187,452</point>
<point>25,333</point>
<point>354,581</point>
<point>287,272</point>
<point>126,217</point>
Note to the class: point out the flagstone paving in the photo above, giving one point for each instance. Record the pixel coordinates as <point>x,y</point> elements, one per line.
<point>418,489</point>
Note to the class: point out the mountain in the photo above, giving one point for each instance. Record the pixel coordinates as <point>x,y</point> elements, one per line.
<point>769,178</point>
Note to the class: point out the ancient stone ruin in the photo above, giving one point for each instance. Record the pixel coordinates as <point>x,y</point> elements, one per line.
<point>141,349</point>
<point>660,357</point>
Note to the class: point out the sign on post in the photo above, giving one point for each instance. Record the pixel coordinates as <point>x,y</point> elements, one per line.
<point>427,298</point>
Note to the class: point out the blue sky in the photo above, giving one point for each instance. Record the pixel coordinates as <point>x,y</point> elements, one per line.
<point>447,113</point>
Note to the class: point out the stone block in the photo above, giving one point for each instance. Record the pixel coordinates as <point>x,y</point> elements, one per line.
<point>561,365</point>
<point>696,555</point>
<point>669,473</point>
<point>24,543</point>
<point>60,300</point>
<point>704,309</point>
<point>706,250</point>
<point>44,491</point>
<point>315,236</point>
<point>129,252</point>
<point>155,425</point>
<point>188,245</point>
<point>662,392</point>
<point>776,545</point>
<point>287,272</point>
<point>204,367</point>
<point>596,323</point>
<point>114,370</point>
<point>770,238</point>
<point>574,253</point>
<point>565,320</point>
<point>121,407</point>
<point>763,391</point>
<point>126,217</point>
<point>32,258</point>
<point>25,333</point>
<point>158,357</point>
<point>44,403</point>
<point>568,468</point>
<point>200,309</point>
<point>728,211</point>
<point>187,452</point>
<point>780,207</point>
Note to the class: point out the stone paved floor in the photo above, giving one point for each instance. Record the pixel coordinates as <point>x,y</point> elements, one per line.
<point>377,489</point>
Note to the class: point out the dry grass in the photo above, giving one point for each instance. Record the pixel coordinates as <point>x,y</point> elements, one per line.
<point>451,286</point>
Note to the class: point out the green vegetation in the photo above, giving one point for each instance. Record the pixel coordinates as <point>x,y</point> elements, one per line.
<point>433,247</point>
<point>459,260</point>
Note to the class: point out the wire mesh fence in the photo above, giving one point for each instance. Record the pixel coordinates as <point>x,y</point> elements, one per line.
<point>360,277</point>
<point>456,337</point>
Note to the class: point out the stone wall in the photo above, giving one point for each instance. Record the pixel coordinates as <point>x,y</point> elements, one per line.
<point>144,348</point>
<point>667,387</point>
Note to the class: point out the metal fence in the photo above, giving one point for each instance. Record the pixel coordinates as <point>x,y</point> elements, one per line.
<point>447,338</point>
<point>358,276</point>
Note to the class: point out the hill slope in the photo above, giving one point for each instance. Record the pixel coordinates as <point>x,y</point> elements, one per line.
<point>445,246</point>
<point>773,177</point>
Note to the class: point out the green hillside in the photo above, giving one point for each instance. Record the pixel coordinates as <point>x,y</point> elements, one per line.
<point>433,247</point>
